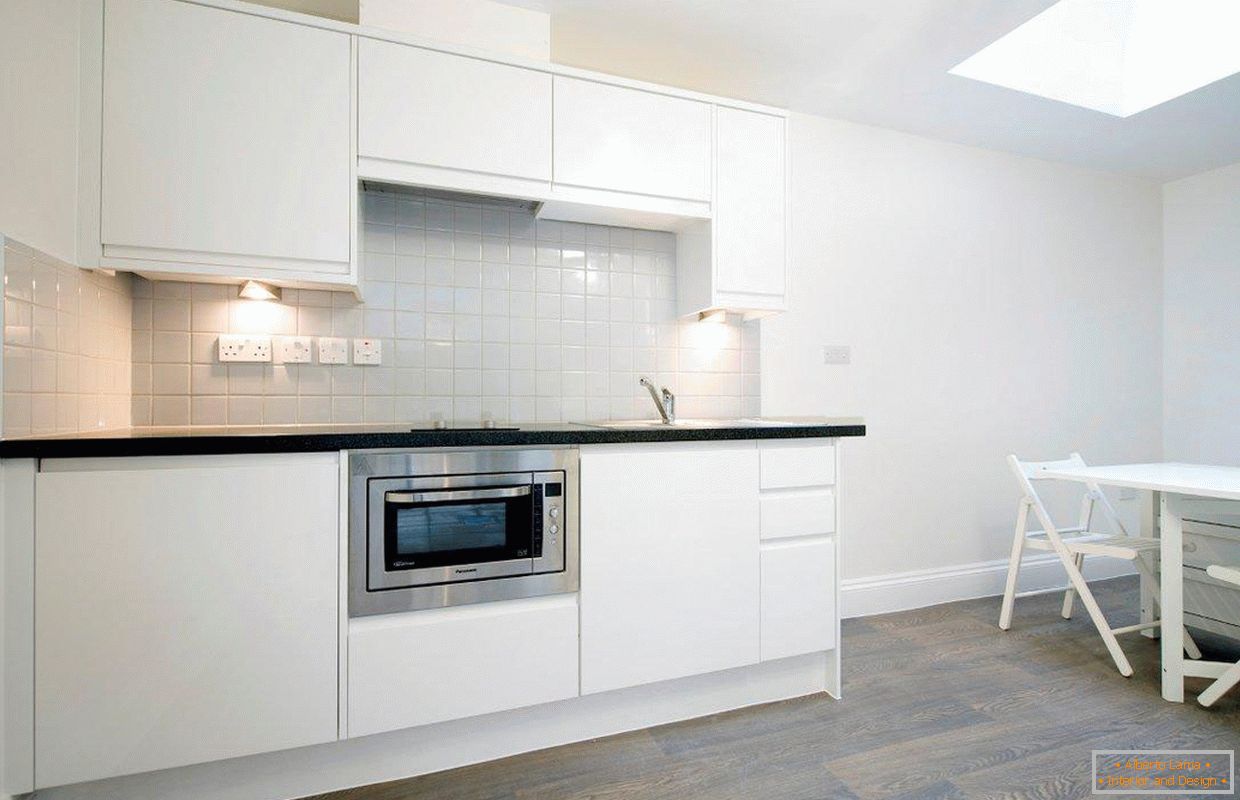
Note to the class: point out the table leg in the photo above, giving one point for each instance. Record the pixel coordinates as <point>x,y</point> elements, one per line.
<point>1149,529</point>
<point>1171,535</point>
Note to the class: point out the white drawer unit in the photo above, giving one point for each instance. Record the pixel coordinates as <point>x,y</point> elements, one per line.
<point>444,120</point>
<point>797,512</point>
<point>798,551</point>
<point>798,597</point>
<point>1207,543</point>
<point>787,465</point>
<point>1211,598</point>
<point>421,667</point>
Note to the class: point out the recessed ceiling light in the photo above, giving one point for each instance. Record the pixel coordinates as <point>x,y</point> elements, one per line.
<point>1115,56</point>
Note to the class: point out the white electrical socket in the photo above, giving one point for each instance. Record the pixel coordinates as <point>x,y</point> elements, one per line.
<point>333,351</point>
<point>367,351</point>
<point>836,354</point>
<point>295,349</point>
<point>243,347</point>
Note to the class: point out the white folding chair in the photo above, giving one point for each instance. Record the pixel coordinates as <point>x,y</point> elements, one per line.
<point>1072,545</point>
<point>1232,676</point>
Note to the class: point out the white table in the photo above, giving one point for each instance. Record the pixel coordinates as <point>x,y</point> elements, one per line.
<point>1173,482</point>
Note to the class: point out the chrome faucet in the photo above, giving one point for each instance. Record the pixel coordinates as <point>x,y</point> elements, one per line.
<point>666,404</point>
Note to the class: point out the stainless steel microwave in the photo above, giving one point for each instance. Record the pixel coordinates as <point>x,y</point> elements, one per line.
<point>438,528</point>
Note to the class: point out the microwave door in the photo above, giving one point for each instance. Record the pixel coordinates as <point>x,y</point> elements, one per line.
<point>435,536</point>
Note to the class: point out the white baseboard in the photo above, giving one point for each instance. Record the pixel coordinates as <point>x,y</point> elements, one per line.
<point>901,591</point>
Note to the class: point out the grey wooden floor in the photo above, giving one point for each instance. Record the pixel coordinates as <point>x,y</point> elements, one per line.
<point>938,704</point>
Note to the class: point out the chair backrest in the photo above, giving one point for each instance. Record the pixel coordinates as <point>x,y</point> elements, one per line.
<point>1029,471</point>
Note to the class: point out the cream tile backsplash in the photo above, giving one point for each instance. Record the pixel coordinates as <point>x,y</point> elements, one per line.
<point>66,346</point>
<point>483,312</point>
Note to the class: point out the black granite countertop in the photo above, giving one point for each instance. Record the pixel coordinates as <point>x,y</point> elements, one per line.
<point>320,438</point>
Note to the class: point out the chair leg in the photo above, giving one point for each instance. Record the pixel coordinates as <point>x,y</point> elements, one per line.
<point>1216,690</point>
<point>1095,614</point>
<point>1151,586</point>
<point>1070,593</point>
<point>1018,550</point>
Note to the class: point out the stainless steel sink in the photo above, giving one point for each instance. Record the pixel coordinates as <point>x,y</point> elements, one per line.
<point>747,422</point>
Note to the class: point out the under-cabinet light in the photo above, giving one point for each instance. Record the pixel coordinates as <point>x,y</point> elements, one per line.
<point>253,290</point>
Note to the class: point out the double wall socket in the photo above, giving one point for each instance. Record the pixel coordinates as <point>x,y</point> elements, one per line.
<point>243,347</point>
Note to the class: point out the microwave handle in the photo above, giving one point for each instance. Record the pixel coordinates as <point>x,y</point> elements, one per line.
<point>455,494</point>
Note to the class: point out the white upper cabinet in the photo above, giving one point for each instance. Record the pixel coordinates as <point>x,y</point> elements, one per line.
<point>437,119</point>
<point>669,562</point>
<point>631,141</point>
<point>750,203</point>
<point>739,260</point>
<point>226,144</point>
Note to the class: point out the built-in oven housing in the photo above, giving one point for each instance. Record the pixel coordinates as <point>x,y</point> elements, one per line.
<point>434,528</point>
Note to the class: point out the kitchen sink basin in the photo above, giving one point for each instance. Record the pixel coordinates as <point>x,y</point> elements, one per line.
<point>748,422</point>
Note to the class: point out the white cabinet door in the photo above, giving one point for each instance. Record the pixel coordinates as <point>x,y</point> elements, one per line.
<point>669,562</point>
<point>434,109</point>
<point>226,140</point>
<point>186,613</point>
<point>628,140</point>
<point>750,213</point>
<point>798,597</point>
<point>430,666</point>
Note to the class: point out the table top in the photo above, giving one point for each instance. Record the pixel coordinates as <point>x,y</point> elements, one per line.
<point>1195,480</point>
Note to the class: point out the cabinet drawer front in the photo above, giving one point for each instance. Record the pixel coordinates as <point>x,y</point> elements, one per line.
<point>430,666</point>
<point>422,107</point>
<point>1206,544</point>
<point>798,598</point>
<point>805,513</point>
<point>628,140</point>
<point>1211,598</point>
<point>787,466</point>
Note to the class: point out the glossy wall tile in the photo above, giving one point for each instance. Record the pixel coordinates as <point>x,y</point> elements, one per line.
<point>66,345</point>
<point>482,311</point>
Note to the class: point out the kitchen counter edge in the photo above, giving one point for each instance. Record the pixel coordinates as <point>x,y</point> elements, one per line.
<point>104,446</point>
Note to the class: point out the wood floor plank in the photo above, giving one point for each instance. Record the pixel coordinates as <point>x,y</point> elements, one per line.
<point>939,704</point>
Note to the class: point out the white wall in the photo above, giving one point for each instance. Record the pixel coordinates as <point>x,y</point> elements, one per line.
<point>993,304</point>
<point>39,124</point>
<point>1201,367</point>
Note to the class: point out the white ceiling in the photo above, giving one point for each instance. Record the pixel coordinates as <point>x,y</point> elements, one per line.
<point>885,62</point>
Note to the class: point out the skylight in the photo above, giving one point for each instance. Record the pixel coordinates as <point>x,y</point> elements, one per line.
<point>1115,56</point>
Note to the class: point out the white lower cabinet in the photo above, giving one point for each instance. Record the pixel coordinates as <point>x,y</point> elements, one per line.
<point>429,666</point>
<point>798,597</point>
<point>669,562</point>
<point>186,611</point>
